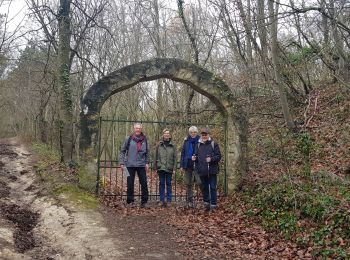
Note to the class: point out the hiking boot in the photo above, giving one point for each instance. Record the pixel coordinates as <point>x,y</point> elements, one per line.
<point>162,204</point>
<point>206,206</point>
<point>190,205</point>
<point>213,207</point>
<point>144,205</point>
<point>131,205</point>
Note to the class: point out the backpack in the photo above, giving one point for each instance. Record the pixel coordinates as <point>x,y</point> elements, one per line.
<point>212,144</point>
<point>128,144</point>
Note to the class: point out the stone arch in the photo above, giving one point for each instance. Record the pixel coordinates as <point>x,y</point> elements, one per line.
<point>198,78</point>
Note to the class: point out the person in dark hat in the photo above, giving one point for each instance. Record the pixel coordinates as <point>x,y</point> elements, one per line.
<point>207,157</point>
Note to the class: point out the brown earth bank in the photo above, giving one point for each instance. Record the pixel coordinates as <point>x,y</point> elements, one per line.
<point>325,116</point>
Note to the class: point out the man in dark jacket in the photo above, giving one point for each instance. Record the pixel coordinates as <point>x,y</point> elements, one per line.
<point>134,155</point>
<point>165,163</point>
<point>186,163</point>
<point>207,158</point>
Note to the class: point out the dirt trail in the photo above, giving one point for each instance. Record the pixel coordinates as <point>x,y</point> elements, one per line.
<point>36,226</point>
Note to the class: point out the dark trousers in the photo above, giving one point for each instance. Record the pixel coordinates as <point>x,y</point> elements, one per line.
<point>141,172</point>
<point>209,188</point>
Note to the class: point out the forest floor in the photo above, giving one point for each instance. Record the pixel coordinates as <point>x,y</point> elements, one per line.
<point>36,225</point>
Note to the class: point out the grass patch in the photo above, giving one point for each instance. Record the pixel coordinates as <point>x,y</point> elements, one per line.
<point>86,180</point>
<point>48,155</point>
<point>73,194</point>
<point>72,184</point>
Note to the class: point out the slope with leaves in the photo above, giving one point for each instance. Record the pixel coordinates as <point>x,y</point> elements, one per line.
<point>299,182</point>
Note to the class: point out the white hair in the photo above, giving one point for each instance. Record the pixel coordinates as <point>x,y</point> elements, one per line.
<point>137,124</point>
<point>193,129</point>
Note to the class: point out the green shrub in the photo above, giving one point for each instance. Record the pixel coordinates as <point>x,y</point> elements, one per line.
<point>48,155</point>
<point>86,180</point>
<point>278,196</point>
<point>287,223</point>
<point>312,211</point>
<point>300,55</point>
<point>317,206</point>
<point>304,146</point>
<point>340,220</point>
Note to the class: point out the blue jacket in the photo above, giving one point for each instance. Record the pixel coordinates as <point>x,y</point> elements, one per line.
<point>185,155</point>
<point>201,151</point>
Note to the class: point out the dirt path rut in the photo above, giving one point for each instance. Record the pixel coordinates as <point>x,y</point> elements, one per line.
<point>36,226</point>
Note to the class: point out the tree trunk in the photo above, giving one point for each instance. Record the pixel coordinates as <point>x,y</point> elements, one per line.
<point>262,28</point>
<point>196,54</point>
<point>263,37</point>
<point>273,11</point>
<point>343,63</point>
<point>66,107</point>
<point>325,26</point>
<point>300,43</point>
<point>249,53</point>
<point>158,46</point>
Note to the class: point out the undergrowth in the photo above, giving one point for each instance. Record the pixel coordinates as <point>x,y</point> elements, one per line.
<point>309,208</point>
<point>68,183</point>
<point>312,212</point>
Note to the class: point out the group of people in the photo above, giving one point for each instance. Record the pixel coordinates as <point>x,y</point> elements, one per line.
<point>200,157</point>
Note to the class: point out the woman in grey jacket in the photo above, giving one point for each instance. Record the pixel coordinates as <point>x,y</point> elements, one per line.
<point>165,163</point>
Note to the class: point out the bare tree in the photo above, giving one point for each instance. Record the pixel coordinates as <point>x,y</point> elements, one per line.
<point>66,107</point>
<point>273,13</point>
<point>194,49</point>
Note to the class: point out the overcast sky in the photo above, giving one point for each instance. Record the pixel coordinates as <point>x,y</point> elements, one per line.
<point>16,10</point>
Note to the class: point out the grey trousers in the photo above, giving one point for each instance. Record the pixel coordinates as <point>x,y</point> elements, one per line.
<point>190,178</point>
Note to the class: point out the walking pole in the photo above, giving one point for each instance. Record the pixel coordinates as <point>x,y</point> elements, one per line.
<point>208,156</point>
<point>194,179</point>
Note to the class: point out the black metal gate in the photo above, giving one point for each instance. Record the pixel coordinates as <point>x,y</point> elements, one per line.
<point>111,180</point>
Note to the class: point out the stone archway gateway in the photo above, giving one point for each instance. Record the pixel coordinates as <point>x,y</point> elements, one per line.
<point>196,77</point>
